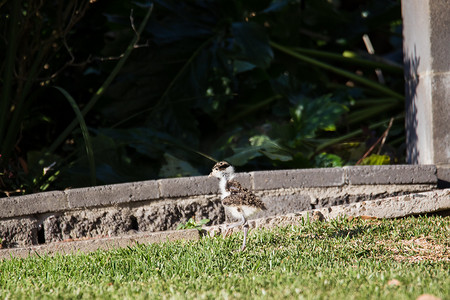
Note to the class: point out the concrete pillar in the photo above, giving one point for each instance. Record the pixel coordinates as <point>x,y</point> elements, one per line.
<point>426,33</point>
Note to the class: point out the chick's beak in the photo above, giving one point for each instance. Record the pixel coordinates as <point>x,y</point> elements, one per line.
<point>210,175</point>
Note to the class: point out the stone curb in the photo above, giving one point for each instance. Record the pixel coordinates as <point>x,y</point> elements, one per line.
<point>393,207</point>
<point>324,177</point>
<point>112,194</point>
<point>33,204</point>
<point>397,174</point>
<point>202,185</point>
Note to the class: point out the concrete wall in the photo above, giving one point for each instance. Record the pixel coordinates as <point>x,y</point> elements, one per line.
<point>426,32</point>
<point>437,201</point>
<point>159,205</point>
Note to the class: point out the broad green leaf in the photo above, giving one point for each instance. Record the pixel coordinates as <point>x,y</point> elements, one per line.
<point>270,148</point>
<point>376,159</point>
<point>310,115</point>
<point>175,167</point>
<point>243,66</point>
<point>259,145</point>
<point>243,154</point>
<point>259,140</point>
<point>328,160</point>
<point>277,156</point>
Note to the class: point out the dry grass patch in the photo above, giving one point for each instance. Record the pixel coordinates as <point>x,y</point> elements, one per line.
<point>415,250</point>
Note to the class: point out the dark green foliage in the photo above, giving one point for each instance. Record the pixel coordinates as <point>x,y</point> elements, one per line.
<point>263,84</point>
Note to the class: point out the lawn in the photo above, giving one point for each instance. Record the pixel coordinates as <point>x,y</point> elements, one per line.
<point>341,259</point>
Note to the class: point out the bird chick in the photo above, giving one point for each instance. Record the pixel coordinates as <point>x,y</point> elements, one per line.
<point>237,200</point>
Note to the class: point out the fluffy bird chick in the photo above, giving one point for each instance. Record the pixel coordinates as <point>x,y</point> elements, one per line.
<point>237,200</point>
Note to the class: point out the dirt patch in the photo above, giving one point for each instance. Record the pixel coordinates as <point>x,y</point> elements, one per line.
<point>415,250</point>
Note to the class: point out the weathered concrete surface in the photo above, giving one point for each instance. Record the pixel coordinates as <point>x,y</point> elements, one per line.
<point>397,174</point>
<point>112,194</point>
<point>325,177</point>
<point>19,232</point>
<point>109,222</point>
<point>114,221</point>
<point>426,36</point>
<point>169,214</point>
<point>33,204</point>
<point>392,207</point>
<point>89,245</point>
<point>284,201</point>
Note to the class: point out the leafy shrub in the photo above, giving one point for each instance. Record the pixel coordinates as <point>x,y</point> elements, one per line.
<point>262,84</point>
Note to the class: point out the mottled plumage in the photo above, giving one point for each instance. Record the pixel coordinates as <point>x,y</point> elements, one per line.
<point>234,186</point>
<point>241,196</point>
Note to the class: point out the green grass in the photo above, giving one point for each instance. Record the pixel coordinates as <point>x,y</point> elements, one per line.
<point>341,259</point>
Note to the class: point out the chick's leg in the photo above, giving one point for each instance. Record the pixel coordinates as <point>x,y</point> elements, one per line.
<point>245,237</point>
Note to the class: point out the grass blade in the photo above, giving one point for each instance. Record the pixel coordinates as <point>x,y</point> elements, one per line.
<point>84,131</point>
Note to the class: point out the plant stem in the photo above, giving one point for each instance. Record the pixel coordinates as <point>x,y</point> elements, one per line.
<point>105,85</point>
<point>374,102</point>
<point>352,134</point>
<point>351,60</point>
<point>369,112</point>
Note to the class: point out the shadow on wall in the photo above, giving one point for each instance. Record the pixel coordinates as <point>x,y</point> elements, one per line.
<point>411,65</point>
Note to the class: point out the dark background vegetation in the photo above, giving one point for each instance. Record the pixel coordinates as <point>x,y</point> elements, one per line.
<point>262,84</point>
